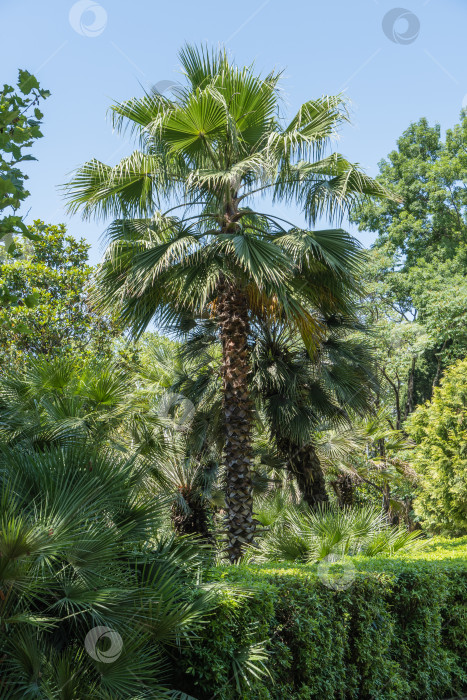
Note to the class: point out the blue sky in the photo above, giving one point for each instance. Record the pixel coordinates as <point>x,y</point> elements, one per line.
<point>109,51</point>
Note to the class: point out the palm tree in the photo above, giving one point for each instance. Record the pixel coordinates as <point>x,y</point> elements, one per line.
<point>206,154</point>
<point>303,396</point>
<point>306,404</point>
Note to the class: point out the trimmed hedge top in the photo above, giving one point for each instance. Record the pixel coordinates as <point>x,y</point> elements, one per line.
<point>398,631</point>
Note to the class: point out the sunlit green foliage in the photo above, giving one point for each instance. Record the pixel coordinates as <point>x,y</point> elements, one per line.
<point>45,308</point>
<point>439,429</point>
<point>298,535</point>
<point>416,277</point>
<point>398,631</point>
<point>20,121</point>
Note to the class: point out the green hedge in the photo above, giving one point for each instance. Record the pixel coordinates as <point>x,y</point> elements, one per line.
<point>399,631</point>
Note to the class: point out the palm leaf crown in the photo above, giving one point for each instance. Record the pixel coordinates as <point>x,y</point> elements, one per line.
<point>182,203</point>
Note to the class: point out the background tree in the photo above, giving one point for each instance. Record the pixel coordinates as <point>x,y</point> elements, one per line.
<point>297,398</point>
<point>303,396</point>
<point>206,153</point>
<point>45,307</point>
<point>439,429</point>
<point>416,277</point>
<point>366,462</point>
<point>429,176</point>
<point>20,120</point>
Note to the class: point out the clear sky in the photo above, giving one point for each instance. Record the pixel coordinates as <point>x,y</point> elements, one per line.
<point>414,66</point>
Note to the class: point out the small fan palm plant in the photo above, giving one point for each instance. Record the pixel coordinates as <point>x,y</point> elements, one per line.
<point>73,569</point>
<point>62,400</point>
<point>188,473</point>
<point>206,154</point>
<point>299,535</point>
<point>190,486</point>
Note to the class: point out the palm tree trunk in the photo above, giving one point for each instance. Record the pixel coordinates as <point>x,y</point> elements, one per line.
<point>344,489</point>
<point>304,464</point>
<point>195,521</point>
<point>310,477</point>
<point>234,328</point>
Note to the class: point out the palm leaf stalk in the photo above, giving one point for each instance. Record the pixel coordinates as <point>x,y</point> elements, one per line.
<point>207,155</point>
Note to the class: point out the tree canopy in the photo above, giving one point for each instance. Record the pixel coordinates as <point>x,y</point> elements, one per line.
<point>416,277</point>
<point>20,121</point>
<point>45,286</point>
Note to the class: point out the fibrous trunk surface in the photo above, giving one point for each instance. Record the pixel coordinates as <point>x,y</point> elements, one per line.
<point>234,328</point>
<point>344,488</point>
<point>304,464</point>
<point>193,520</point>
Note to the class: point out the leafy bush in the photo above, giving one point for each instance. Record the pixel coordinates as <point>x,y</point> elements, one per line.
<point>18,130</point>
<point>439,427</point>
<point>399,631</point>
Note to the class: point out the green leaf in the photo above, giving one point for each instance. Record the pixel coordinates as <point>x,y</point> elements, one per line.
<point>11,248</point>
<point>27,233</point>
<point>23,328</point>
<point>27,82</point>
<point>31,300</point>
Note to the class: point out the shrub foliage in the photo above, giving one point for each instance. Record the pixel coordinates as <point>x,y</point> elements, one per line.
<point>439,428</point>
<point>399,631</point>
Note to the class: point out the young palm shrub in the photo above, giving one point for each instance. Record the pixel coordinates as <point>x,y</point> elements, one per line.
<point>61,401</point>
<point>190,486</point>
<point>74,576</point>
<point>299,535</point>
<point>270,507</point>
<point>204,155</point>
<point>188,474</point>
<point>368,454</point>
<point>64,402</point>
